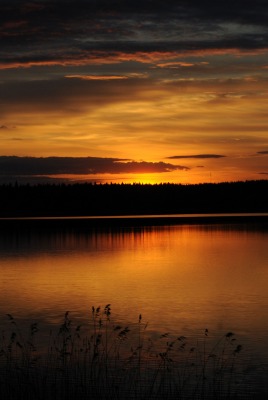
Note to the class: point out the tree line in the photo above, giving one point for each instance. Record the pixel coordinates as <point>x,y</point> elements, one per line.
<point>20,200</point>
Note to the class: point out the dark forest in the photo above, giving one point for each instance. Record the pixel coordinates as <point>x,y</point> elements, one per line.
<point>132,199</point>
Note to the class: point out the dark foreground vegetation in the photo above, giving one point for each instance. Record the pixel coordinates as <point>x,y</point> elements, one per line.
<point>105,360</point>
<point>126,199</point>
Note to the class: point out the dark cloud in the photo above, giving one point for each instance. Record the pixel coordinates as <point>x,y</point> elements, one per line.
<point>262,152</point>
<point>15,166</point>
<point>43,31</point>
<point>3,127</point>
<point>73,94</point>
<point>196,156</point>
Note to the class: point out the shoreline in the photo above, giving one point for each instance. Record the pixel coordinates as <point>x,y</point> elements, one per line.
<point>132,220</point>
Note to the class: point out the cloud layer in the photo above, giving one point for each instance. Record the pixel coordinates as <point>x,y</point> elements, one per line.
<point>20,166</point>
<point>197,156</point>
<point>81,31</point>
<point>102,83</point>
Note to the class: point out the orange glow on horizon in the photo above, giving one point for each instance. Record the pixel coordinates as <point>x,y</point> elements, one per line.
<point>132,116</point>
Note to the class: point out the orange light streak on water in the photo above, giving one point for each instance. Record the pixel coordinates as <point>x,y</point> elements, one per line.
<point>181,278</point>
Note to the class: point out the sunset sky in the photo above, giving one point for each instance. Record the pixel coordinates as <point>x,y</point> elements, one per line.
<point>134,91</point>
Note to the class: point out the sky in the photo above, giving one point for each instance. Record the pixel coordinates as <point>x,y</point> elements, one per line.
<point>144,91</point>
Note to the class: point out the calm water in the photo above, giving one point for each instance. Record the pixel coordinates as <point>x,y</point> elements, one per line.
<point>181,278</point>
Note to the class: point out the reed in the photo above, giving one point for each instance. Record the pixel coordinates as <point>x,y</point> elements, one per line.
<point>105,360</point>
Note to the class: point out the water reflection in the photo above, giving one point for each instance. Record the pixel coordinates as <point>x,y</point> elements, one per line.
<point>181,278</point>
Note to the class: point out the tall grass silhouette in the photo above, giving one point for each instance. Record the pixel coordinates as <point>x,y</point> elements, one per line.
<point>105,360</point>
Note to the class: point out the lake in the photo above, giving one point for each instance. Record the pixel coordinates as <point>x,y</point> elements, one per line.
<point>182,277</point>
